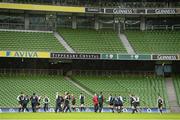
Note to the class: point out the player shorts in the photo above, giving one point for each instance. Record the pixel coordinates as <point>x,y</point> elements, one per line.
<point>121,104</point>
<point>73,103</point>
<point>111,104</point>
<point>159,105</point>
<point>116,105</point>
<point>21,103</point>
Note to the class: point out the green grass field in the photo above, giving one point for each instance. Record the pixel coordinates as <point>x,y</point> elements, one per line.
<point>89,116</point>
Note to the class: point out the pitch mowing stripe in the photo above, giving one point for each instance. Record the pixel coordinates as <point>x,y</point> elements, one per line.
<point>87,119</point>
<point>87,116</point>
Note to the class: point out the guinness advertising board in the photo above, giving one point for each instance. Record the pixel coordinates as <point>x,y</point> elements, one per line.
<point>74,56</point>
<point>140,11</point>
<point>161,11</point>
<point>120,11</point>
<point>165,57</point>
<point>132,10</point>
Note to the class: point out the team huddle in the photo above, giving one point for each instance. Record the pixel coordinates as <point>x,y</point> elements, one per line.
<point>67,102</point>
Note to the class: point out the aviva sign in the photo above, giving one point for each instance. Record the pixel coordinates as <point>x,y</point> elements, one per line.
<point>24,54</point>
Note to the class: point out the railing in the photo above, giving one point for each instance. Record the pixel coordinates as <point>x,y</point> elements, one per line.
<point>131,28</point>
<point>111,72</point>
<point>162,27</point>
<point>39,27</point>
<point>19,26</point>
<point>175,27</point>
<point>23,71</point>
<point>31,72</point>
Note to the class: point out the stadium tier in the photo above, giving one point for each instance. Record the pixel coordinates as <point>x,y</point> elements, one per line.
<point>147,88</point>
<point>29,41</point>
<point>42,85</point>
<point>177,87</point>
<point>92,41</point>
<point>165,42</point>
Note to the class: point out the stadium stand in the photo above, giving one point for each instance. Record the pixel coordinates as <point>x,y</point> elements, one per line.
<point>29,41</point>
<point>91,41</point>
<point>160,41</point>
<point>147,88</point>
<point>42,85</point>
<point>177,87</point>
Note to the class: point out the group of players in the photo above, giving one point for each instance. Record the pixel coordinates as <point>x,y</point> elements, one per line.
<point>67,102</point>
<point>23,101</point>
<point>64,103</point>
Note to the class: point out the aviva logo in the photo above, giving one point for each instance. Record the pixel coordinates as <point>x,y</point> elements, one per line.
<point>24,54</point>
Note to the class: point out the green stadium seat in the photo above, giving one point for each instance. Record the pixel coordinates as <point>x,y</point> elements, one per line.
<point>29,41</point>
<point>11,86</point>
<point>145,87</point>
<point>92,41</point>
<point>176,80</point>
<point>160,42</point>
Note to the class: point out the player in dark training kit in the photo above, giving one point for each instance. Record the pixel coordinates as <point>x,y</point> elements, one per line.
<point>73,102</point>
<point>111,102</point>
<point>100,101</point>
<point>38,105</point>
<point>59,101</point>
<point>116,103</point>
<point>20,99</point>
<point>82,99</point>
<point>138,103</point>
<point>34,101</point>
<point>134,103</point>
<point>160,103</point>
<point>25,103</point>
<point>131,100</point>
<point>46,101</point>
<point>120,104</point>
<point>67,99</point>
